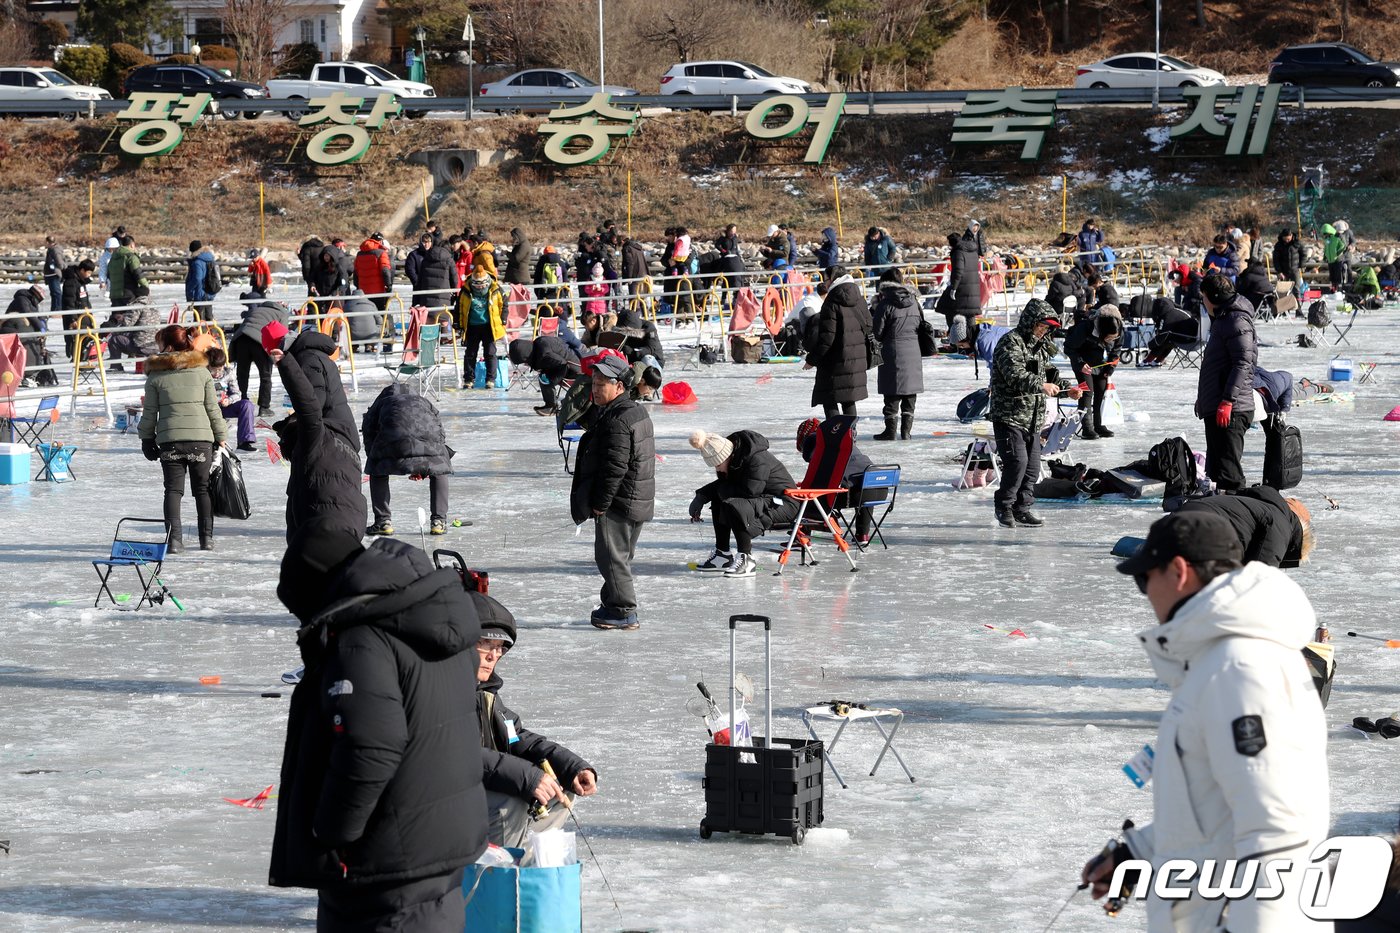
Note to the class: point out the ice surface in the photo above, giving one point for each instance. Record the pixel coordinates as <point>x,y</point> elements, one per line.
<point>114,758</point>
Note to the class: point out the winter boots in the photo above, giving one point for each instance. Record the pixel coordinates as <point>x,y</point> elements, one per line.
<point>906,427</point>
<point>889,433</point>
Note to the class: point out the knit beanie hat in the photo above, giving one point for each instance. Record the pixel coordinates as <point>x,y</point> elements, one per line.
<point>273,334</point>
<point>804,430</point>
<point>713,447</point>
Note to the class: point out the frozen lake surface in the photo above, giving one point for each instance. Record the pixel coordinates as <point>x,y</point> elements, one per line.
<point>114,758</point>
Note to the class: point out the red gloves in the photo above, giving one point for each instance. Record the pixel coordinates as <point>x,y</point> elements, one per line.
<point>1222,414</point>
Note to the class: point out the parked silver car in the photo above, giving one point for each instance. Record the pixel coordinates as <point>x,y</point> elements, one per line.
<point>555,83</point>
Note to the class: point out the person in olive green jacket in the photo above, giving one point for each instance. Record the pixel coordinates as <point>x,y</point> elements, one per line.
<point>124,271</point>
<point>182,427</point>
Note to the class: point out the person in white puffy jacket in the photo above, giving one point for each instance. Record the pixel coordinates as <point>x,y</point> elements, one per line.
<point>1240,768</point>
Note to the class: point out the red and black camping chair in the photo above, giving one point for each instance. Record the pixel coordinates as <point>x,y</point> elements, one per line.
<point>817,492</point>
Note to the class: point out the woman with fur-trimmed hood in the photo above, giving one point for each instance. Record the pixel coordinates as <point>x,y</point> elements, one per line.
<point>182,426</point>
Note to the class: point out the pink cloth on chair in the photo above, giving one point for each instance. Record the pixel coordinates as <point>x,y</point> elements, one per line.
<point>518,310</point>
<point>174,316</point>
<point>746,309</point>
<point>417,317</point>
<point>798,286</point>
<point>11,366</point>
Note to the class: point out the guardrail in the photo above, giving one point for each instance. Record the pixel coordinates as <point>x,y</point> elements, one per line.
<point>733,103</point>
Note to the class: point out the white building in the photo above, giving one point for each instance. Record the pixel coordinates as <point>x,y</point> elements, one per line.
<point>333,26</point>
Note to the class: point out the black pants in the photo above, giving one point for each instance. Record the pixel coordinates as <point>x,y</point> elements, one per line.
<point>732,517</point>
<point>194,458</point>
<point>382,303</point>
<point>1020,466</point>
<point>379,497</point>
<point>899,404</point>
<point>846,408</point>
<point>70,322</point>
<point>427,905</point>
<point>248,353</point>
<point>1224,450</point>
<point>478,338</point>
<point>1097,383</point>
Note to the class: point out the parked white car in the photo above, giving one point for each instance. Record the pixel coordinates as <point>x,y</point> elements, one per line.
<point>38,84</point>
<point>554,83</point>
<point>728,78</point>
<point>359,78</point>
<point>1140,69</point>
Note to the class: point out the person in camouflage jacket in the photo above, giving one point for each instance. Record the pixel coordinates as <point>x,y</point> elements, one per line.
<point>1022,378</point>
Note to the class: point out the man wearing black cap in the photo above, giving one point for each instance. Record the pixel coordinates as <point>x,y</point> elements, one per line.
<point>615,485</point>
<point>1239,767</point>
<point>1225,390</point>
<point>1022,377</point>
<point>381,803</point>
<point>512,756</point>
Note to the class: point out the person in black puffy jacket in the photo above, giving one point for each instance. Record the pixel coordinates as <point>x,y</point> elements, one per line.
<point>380,804</point>
<point>840,356</point>
<point>1225,390</point>
<point>1272,529</point>
<point>511,755</point>
<point>433,272</point>
<point>615,485</point>
<point>1254,284</point>
<point>404,437</point>
<point>325,475</point>
<point>745,499</point>
<point>961,300</point>
<point>313,351</point>
<point>1091,345</point>
<point>553,359</point>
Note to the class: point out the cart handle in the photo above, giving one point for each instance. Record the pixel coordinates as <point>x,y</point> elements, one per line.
<point>743,617</point>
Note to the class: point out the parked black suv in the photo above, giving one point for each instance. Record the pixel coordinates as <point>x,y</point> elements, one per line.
<point>193,79</point>
<point>1331,64</point>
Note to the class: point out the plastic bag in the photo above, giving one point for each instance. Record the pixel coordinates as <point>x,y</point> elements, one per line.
<point>553,848</point>
<point>226,489</point>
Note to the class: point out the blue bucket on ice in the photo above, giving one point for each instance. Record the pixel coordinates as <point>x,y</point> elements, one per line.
<point>524,900</point>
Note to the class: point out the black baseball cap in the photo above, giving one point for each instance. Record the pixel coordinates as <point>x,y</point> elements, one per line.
<point>1195,536</point>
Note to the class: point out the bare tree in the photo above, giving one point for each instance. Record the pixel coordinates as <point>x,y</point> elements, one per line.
<point>687,31</point>
<point>254,26</point>
<point>16,39</point>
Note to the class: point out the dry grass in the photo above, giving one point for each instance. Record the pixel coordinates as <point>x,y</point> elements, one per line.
<point>895,171</point>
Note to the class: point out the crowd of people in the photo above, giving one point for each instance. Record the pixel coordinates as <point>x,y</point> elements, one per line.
<point>390,787</point>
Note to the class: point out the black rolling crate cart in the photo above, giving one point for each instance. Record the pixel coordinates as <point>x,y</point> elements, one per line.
<point>772,787</point>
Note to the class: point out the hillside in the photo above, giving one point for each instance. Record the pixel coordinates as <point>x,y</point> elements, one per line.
<point>1024,40</point>
<point>893,170</point>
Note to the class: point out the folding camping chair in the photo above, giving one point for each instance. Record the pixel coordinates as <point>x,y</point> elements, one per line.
<point>982,449</point>
<point>1056,436</point>
<point>834,440</point>
<point>878,487</point>
<point>56,463</point>
<point>1343,331</point>
<point>422,369</point>
<point>567,420</point>
<point>1188,355</point>
<point>142,552</point>
<point>846,712</point>
<point>31,430</point>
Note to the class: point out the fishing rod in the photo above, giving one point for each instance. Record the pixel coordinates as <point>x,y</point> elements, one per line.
<point>1389,642</point>
<point>547,768</point>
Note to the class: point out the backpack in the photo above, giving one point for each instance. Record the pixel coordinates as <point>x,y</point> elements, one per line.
<point>213,283</point>
<point>1173,462</point>
<point>1141,306</point>
<point>974,407</point>
<point>1317,314</point>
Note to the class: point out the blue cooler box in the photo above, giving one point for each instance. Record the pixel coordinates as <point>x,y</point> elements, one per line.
<point>1339,371</point>
<point>14,464</point>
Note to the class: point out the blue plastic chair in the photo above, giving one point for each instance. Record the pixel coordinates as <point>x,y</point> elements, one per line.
<point>31,430</point>
<point>878,487</point>
<point>142,552</point>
